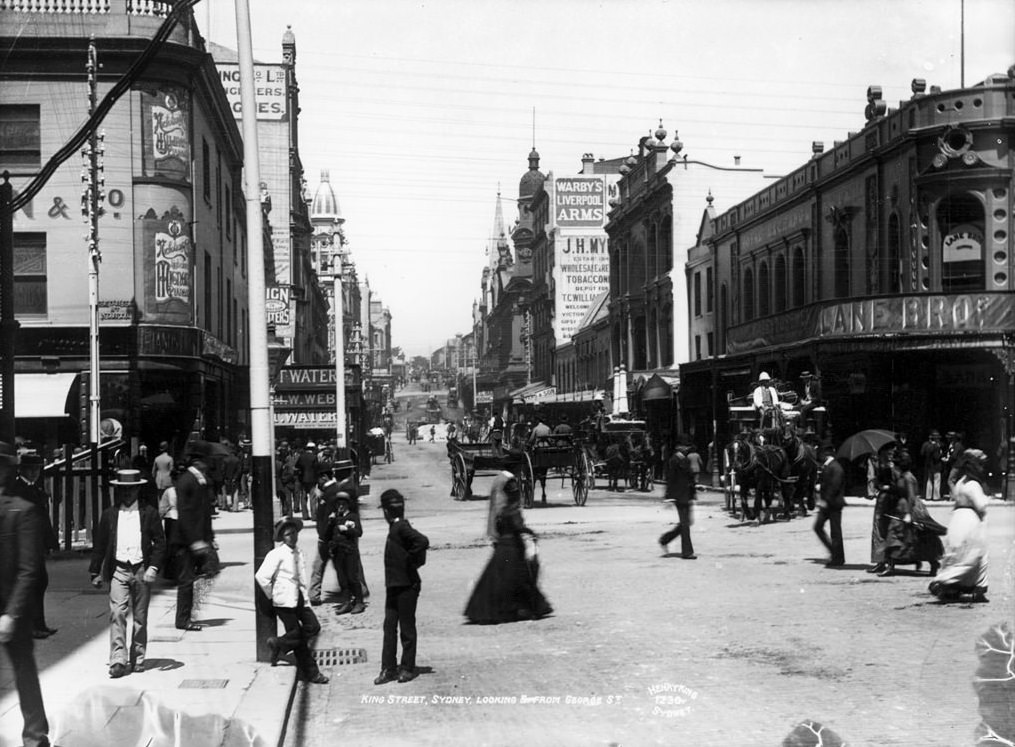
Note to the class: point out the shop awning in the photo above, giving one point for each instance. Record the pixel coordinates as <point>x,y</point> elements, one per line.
<point>42,395</point>
<point>659,388</point>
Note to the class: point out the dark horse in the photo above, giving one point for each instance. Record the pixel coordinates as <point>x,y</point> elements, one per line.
<point>803,470</point>
<point>764,467</point>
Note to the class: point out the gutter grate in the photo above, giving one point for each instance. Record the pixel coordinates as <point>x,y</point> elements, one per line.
<point>204,684</point>
<point>333,657</point>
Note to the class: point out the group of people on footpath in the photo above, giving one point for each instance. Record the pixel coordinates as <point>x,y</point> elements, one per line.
<point>902,530</point>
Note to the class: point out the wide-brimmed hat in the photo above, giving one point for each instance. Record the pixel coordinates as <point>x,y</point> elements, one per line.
<point>288,521</point>
<point>342,465</point>
<point>763,376</point>
<point>935,434</point>
<point>128,478</point>
<point>806,375</point>
<point>31,459</point>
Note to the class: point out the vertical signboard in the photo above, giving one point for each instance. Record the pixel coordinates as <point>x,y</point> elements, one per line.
<point>581,251</point>
<point>165,116</point>
<point>278,309</point>
<point>168,262</point>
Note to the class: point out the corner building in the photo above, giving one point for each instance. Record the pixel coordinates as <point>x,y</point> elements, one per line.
<point>173,277</point>
<point>886,265</point>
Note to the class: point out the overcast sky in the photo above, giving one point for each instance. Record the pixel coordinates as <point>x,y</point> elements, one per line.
<point>421,111</point>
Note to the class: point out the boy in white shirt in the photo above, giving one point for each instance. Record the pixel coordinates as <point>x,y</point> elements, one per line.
<point>283,577</point>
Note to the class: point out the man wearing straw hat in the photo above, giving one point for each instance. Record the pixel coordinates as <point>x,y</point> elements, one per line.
<point>20,534</point>
<point>128,549</point>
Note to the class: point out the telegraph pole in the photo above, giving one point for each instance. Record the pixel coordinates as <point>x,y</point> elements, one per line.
<point>260,402</point>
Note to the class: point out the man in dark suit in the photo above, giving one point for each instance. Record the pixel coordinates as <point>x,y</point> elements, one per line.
<point>20,561</point>
<point>127,552</point>
<point>192,542</point>
<point>831,501</point>
<point>306,472</point>
<point>680,479</point>
<point>27,486</point>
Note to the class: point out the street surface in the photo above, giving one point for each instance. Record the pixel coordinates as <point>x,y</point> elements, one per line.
<point>734,648</point>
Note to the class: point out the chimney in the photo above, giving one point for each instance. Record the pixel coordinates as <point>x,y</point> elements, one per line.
<point>736,160</point>
<point>588,161</point>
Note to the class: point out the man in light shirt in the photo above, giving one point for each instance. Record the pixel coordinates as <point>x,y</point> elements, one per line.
<point>128,549</point>
<point>283,578</point>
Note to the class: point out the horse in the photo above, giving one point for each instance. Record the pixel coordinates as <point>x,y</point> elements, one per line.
<point>764,467</point>
<point>803,469</point>
<point>616,465</point>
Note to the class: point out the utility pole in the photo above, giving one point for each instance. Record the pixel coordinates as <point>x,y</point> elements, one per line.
<point>340,425</point>
<point>260,402</point>
<point>8,324</point>
<point>91,209</point>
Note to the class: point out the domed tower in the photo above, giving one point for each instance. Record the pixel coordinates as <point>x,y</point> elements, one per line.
<point>327,220</point>
<point>532,179</point>
<point>524,230</point>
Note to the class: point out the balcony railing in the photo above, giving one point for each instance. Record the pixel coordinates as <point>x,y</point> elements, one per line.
<point>155,8</point>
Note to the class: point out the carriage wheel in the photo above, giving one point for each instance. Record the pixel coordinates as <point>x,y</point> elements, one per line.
<point>458,476</point>
<point>455,480</point>
<point>579,483</point>
<point>590,471</point>
<point>527,481</point>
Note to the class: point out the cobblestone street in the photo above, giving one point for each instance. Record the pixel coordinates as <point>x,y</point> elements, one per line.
<point>735,647</point>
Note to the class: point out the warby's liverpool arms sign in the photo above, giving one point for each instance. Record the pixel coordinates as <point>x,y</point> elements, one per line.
<point>878,317</point>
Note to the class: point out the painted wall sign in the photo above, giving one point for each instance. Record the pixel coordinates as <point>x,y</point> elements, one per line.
<point>316,419</point>
<point>278,309</point>
<point>310,378</point>
<point>579,201</point>
<point>581,273</point>
<point>166,129</point>
<point>168,258</point>
<point>963,244</point>
<point>269,89</point>
<point>116,311</point>
<point>305,400</point>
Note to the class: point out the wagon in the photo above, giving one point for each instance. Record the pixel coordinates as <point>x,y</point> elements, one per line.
<point>560,455</point>
<point>469,458</point>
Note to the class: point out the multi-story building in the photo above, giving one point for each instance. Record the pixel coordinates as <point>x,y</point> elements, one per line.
<point>172,283</point>
<point>884,264</point>
<point>296,281</point>
<point>654,218</point>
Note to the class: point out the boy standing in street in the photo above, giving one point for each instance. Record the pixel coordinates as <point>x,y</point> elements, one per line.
<point>404,555</point>
<point>128,550</point>
<point>283,579</point>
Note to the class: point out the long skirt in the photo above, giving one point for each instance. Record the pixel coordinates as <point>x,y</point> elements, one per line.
<point>964,563</point>
<point>507,591</point>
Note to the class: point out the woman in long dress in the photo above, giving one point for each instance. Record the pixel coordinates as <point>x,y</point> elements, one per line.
<point>964,564</point>
<point>508,591</point>
<point>913,535</point>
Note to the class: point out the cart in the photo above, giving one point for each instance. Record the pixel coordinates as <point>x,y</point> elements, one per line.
<point>559,455</point>
<point>468,459</point>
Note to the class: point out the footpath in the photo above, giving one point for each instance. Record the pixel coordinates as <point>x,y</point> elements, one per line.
<point>199,689</point>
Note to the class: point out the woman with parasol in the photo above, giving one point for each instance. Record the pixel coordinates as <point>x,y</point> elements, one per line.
<point>912,536</point>
<point>964,563</point>
<point>508,591</point>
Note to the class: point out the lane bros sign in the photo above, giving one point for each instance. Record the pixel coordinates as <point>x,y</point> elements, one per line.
<point>579,202</point>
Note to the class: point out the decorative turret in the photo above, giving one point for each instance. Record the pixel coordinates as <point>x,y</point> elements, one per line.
<point>532,179</point>
<point>325,204</point>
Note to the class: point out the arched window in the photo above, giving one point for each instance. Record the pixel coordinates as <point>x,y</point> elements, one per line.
<point>893,258</point>
<point>652,256</point>
<point>960,222</point>
<point>780,284</point>
<point>798,297</point>
<point>842,263</point>
<point>748,294</point>
<point>723,320</point>
<point>764,290</point>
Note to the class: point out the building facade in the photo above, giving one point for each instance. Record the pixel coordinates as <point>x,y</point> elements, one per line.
<point>884,264</point>
<point>172,290</point>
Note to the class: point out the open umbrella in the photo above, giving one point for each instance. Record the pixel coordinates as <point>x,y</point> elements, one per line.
<point>866,442</point>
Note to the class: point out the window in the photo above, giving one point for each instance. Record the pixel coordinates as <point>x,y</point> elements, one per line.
<point>30,274</point>
<point>207,291</point>
<point>841,263</point>
<point>709,291</point>
<point>697,347</point>
<point>894,258</point>
<point>960,221</point>
<point>227,207</point>
<point>780,284</point>
<point>764,289</point>
<point>710,339</point>
<point>20,138</point>
<point>748,294</point>
<point>798,297</point>
<point>697,294</point>
<point>206,169</point>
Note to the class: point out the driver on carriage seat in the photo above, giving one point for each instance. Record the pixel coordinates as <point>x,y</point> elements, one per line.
<point>766,402</point>
<point>541,433</point>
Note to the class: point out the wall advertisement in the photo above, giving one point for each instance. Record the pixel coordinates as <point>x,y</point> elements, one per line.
<point>269,89</point>
<point>579,201</point>
<point>581,274</point>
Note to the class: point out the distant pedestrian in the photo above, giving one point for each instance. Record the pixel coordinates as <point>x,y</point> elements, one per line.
<point>956,445</point>
<point>911,535</point>
<point>283,579</point>
<point>964,562</point>
<point>285,479</point>
<point>497,435</point>
<point>20,536</point>
<point>306,474</point>
<point>680,480</point>
<point>162,468</point>
<point>169,514</point>
<point>404,554</point>
<point>881,482</point>
<point>231,481</point>
<point>932,454</point>
<point>831,501</point>
<point>28,486</point>
<point>128,549</point>
<point>433,432</point>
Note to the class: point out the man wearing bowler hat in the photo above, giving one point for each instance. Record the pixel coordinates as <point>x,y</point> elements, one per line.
<point>127,552</point>
<point>831,501</point>
<point>20,535</point>
<point>27,485</point>
<point>283,579</point>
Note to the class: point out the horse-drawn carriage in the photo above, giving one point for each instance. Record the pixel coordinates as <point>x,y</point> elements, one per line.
<point>776,464</point>
<point>619,452</point>
<point>555,456</point>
